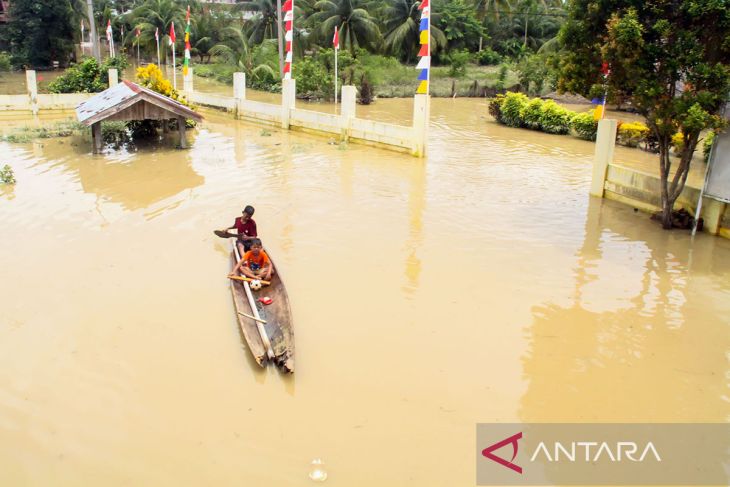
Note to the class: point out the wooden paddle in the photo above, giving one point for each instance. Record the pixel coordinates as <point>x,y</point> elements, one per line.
<point>248,279</point>
<point>224,234</point>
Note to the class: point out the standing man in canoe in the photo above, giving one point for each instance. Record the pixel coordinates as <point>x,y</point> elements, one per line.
<point>245,228</point>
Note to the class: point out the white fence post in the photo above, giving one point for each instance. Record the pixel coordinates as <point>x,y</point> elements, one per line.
<point>113,77</point>
<point>421,115</point>
<point>288,100</point>
<point>605,144</point>
<point>347,110</point>
<point>32,85</point>
<point>188,81</point>
<point>239,91</point>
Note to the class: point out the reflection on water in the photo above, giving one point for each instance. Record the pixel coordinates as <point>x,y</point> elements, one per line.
<point>481,284</point>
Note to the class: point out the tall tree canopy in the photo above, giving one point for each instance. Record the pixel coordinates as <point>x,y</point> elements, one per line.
<point>670,57</point>
<point>40,32</point>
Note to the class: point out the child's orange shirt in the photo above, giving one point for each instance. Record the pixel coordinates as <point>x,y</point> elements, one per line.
<point>253,262</point>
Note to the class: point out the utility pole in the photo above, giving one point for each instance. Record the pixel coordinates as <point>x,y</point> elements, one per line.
<point>280,36</point>
<point>92,30</point>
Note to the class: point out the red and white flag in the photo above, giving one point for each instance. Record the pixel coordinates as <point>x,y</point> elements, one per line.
<point>336,39</point>
<point>109,30</point>
<point>172,33</point>
<point>157,34</point>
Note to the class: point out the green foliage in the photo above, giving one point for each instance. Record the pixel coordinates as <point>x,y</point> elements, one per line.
<point>87,76</point>
<point>457,20</point>
<point>555,119</point>
<point>40,32</point>
<point>495,108</point>
<point>6,175</point>
<point>313,81</point>
<point>512,107</point>
<point>531,114</point>
<point>707,145</point>
<point>5,64</point>
<point>401,20</point>
<point>357,27</point>
<point>26,135</point>
<point>458,61</point>
<point>651,47</point>
<point>585,125</point>
<point>488,57</point>
<point>533,72</point>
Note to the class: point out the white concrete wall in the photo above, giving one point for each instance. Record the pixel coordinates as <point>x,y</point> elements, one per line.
<point>210,100</point>
<point>308,119</point>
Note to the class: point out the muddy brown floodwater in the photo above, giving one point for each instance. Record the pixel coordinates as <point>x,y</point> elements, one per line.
<point>480,284</point>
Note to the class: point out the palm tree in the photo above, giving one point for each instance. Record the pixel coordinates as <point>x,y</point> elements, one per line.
<point>401,29</point>
<point>158,14</point>
<point>235,51</point>
<point>262,25</point>
<point>356,26</point>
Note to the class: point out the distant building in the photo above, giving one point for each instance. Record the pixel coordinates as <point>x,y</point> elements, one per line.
<point>230,2</point>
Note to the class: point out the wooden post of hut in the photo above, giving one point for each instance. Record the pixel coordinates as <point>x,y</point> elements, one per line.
<point>129,101</point>
<point>181,129</point>
<point>96,139</point>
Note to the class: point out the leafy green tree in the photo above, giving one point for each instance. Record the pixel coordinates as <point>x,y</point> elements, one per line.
<point>458,21</point>
<point>356,26</point>
<point>671,58</point>
<point>40,32</point>
<point>401,20</point>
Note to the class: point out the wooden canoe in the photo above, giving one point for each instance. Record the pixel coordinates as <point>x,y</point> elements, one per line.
<point>277,330</point>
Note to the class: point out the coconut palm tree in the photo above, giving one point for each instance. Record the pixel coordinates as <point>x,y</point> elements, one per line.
<point>262,24</point>
<point>356,26</point>
<point>401,29</point>
<point>159,14</point>
<point>235,50</point>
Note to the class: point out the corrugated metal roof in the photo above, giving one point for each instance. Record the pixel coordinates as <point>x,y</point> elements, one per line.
<point>94,107</point>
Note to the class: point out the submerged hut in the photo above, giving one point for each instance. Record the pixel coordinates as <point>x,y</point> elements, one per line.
<point>130,101</point>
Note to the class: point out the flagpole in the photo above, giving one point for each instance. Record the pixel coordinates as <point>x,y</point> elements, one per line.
<point>157,42</point>
<point>337,48</point>
<point>174,74</point>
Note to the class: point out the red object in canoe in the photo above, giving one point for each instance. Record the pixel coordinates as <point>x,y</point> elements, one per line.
<point>266,300</point>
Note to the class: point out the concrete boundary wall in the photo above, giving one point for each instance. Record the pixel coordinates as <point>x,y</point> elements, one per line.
<point>346,126</point>
<point>642,190</point>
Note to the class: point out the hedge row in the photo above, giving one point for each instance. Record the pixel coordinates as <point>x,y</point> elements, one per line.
<point>517,110</point>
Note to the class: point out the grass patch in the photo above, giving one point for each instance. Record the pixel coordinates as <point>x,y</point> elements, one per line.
<point>26,135</point>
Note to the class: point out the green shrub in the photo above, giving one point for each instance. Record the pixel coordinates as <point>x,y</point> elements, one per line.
<point>6,175</point>
<point>458,60</point>
<point>584,125</point>
<point>495,108</point>
<point>87,76</point>
<point>487,57</point>
<point>632,134</point>
<point>5,64</point>
<point>707,145</point>
<point>313,81</point>
<point>555,119</point>
<point>512,109</point>
<point>531,114</point>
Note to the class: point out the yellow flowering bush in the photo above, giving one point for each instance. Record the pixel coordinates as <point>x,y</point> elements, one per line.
<point>678,142</point>
<point>632,133</point>
<point>151,77</point>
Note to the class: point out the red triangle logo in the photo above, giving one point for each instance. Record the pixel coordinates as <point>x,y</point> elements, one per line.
<point>487,452</point>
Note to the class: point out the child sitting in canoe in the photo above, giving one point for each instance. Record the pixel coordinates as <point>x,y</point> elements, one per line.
<point>255,263</point>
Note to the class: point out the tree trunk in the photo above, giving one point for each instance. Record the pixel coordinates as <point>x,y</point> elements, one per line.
<point>95,49</point>
<point>280,37</point>
<point>671,191</point>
